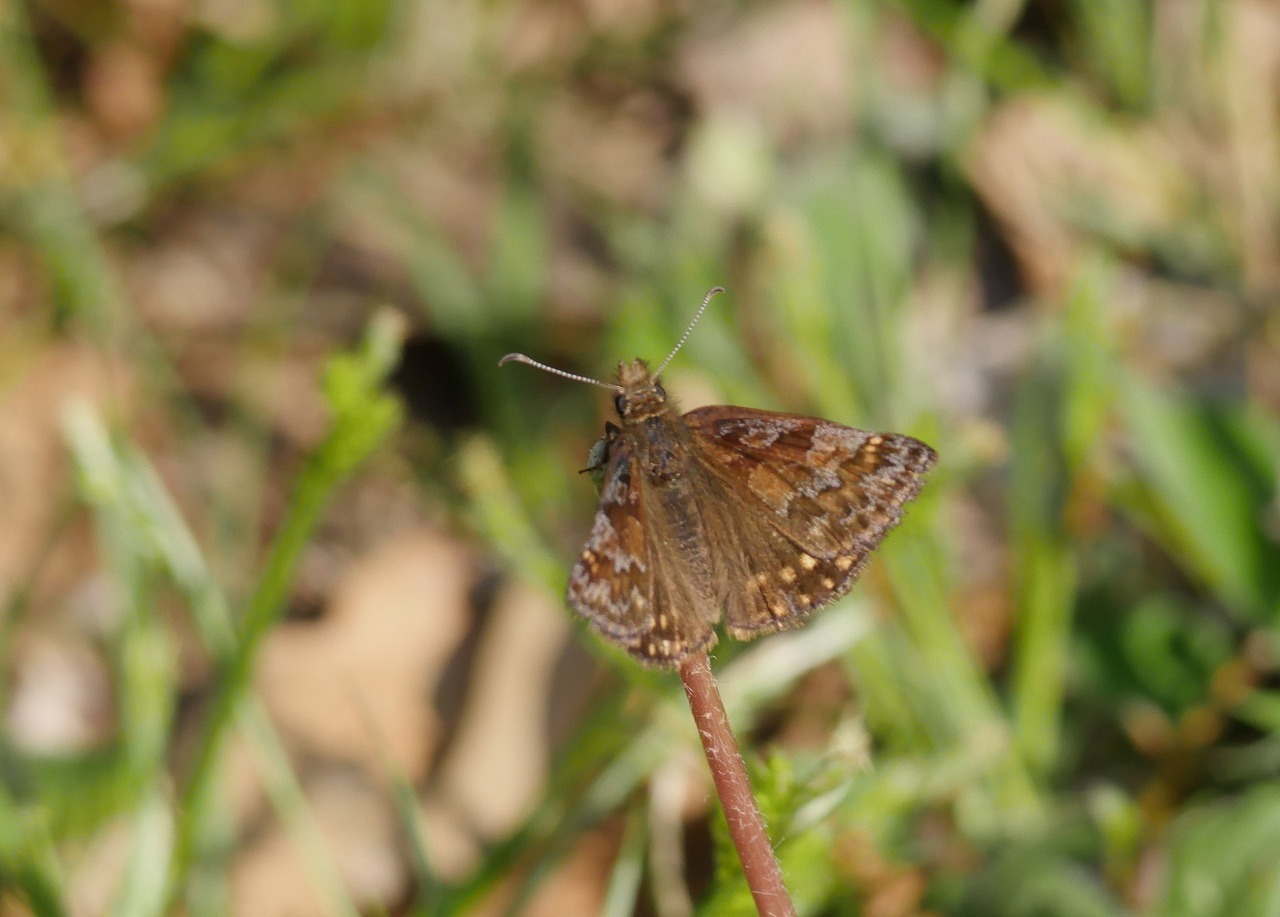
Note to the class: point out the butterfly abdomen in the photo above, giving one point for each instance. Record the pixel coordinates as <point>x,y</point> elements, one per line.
<point>673,493</point>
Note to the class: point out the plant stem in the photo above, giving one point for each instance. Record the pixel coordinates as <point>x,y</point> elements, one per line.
<point>746,825</point>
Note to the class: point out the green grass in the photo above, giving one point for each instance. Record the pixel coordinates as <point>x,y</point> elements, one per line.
<point>1058,677</point>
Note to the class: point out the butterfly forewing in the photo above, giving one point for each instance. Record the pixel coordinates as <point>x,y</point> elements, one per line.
<point>617,583</point>
<point>829,488</point>
<point>815,497</point>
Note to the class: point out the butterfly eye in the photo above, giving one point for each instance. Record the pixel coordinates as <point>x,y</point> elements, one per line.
<point>620,403</point>
<point>662,392</point>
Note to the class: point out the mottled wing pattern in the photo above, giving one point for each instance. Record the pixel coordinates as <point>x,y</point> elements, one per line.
<point>823,496</point>
<point>675,632</point>
<point>781,583</point>
<point>615,584</point>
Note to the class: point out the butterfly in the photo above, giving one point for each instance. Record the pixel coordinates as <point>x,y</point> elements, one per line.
<point>752,517</point>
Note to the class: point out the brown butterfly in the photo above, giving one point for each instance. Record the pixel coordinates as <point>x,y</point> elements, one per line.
<point>759,517</point>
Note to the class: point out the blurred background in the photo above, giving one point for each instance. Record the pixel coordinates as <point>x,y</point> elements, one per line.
<point>282,552</point>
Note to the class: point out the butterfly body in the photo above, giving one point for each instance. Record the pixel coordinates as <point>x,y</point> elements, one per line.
<point>753,517</point>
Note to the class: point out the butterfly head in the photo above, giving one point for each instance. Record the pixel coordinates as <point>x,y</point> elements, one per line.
<point>640,394</point>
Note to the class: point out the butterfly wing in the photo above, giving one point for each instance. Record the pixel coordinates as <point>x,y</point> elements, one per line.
<point>821,498</point>
<point>617,583</point>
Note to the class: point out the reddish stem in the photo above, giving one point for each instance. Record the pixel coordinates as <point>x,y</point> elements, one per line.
<point>746,826</point>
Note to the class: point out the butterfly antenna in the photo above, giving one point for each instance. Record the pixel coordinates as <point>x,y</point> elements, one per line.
<point>521,358</point>
<point>706,301</point>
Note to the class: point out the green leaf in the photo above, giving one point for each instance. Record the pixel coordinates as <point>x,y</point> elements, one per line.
<point>1200,462</point>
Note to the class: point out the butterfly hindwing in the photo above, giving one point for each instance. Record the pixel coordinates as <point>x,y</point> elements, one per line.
<point>781,584</point>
